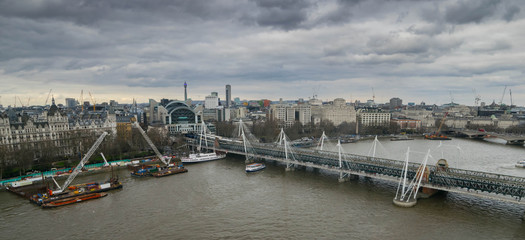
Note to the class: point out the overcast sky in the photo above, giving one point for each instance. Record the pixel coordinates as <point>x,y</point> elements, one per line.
<point>431,51</point>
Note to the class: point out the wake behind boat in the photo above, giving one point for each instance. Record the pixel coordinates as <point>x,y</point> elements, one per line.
<point>521,164</point>
<point>203,157</point>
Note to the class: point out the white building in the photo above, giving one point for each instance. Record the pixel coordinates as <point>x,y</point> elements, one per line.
<point>287,114</point>
<point>337,112</point>
<point>373,117</point>
<point>211,101</point>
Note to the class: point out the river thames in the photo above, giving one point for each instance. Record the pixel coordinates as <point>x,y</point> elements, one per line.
<point>218,200</point>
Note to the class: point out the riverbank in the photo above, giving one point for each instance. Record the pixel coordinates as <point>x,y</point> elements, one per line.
<point>61,173</point>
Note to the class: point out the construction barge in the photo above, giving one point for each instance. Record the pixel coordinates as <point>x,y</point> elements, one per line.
<point>26,191</point>
<point>171,165</point>
<point>171,170</point>
<point>69,194</point>
<point>156,170</point>
<point>78,190</point>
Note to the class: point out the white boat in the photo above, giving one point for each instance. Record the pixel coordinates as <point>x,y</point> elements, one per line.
<point>254,167</point>
<point>202,157</point>
<point>521,164</point>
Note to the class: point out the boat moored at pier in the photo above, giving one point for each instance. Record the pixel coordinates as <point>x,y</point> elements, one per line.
<point>203,157</point>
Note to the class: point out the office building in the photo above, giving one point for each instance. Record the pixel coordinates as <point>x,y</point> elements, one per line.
<point>228,95</point>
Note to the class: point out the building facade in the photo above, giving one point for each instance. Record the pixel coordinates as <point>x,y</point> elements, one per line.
<point>373,117</point>
<point>228,95</point>
<point>211,101</point>
<point>337,112</point>
<point>396,103</point>
<point>52,130</point>
<point>287,114</point>
<point>71,102</point>
<point>408,124</point>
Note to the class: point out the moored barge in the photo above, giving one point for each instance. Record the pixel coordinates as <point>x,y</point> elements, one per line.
<point>72,200</point>
<point>169,171</point>
<point>75,191</point>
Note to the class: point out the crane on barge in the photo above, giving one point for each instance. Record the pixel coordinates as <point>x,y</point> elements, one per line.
<point>167,169</point>
<point>437,135</point>
<point>78,168</point>
<point>165,160</point>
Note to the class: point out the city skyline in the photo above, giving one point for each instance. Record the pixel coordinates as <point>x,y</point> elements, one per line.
<point>432,51</point>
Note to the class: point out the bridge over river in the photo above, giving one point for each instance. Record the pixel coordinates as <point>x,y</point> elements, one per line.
<point>510,139</point>
<point>434,178</point>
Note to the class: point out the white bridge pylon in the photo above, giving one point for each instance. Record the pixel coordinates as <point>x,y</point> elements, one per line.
<point>341,153</point>
<point>320,145</point>
<point>243,132</point>
<point>373,149</point>
<point>240,128</point>
<point>248,149</point>
<point>406,193</point>
<point>203,134</point>
<point>289,154</point>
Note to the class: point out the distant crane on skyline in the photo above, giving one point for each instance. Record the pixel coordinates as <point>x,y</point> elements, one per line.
<point>45,104</point>
<point>82,99</point>
<point>93,100</point>
<point>510,92</point>
<point>19,100</point>
<point>477,97</point>
<point>502,95</point>
<point>373,95</point>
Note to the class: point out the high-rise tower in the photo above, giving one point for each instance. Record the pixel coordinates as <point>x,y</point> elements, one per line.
<point>228,95</point>
<point>185,92</point>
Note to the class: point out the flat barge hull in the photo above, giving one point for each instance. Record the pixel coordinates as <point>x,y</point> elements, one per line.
<point>169,172</point>
<point>28,191</point>
<point>72,200</point>
<point>37,201</point>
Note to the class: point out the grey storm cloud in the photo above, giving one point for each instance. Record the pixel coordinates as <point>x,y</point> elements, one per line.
<point>94,11</point>
<point>286,14</point>
<point>510,12</point>
<point>156,44</point>
<point>470,11</point>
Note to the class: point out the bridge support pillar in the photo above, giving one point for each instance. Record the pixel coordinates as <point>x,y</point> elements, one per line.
<point>427,192</point>
<point>342,178</point>
<point>404,203</point>
<point>354,177</point>
<point>290,169</point>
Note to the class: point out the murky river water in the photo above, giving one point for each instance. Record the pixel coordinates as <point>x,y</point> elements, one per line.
<point>218,200</point>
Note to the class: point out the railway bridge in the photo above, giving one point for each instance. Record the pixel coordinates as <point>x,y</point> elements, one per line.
<point>439,177</point>
<point>495,186</point>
